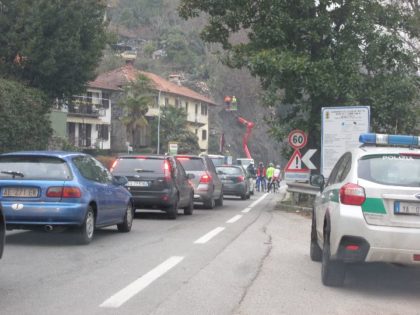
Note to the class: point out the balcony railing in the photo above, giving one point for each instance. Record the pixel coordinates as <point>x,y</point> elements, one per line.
<point>86,142</point>
<point>84,106</point>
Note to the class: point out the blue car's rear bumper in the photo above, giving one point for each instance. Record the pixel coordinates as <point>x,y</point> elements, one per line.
<point>43,213</point>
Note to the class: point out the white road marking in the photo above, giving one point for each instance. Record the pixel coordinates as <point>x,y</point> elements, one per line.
<point>258,200</point>
<point>141,283</point>
<point>234,219</point>
<point>204,239</point>
<point>246,210</point>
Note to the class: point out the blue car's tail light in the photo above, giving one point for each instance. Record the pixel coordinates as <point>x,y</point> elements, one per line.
<point>63,192</point>
<point>402,140</point>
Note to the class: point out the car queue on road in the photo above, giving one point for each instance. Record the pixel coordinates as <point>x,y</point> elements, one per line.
<point>73,191</point>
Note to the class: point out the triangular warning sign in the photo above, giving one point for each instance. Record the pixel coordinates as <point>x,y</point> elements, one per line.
<point>295,163</point>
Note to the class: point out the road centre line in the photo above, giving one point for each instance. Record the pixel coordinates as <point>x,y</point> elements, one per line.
<point>246,210</point>
<point>258,200</point>
<point>141,283</point>
<point>204,239</point>
<point>234,219</point>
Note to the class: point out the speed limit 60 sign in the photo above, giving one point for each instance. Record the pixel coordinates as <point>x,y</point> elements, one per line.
<point>297,139</point>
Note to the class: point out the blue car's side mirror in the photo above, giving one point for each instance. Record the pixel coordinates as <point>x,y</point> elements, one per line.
<point>120,180</point>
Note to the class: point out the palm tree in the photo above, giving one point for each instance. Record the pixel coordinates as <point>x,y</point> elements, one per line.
<point>175,119</point>
<point>138,96</point>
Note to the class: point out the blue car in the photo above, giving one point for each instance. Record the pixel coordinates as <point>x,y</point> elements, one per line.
<point>54,190</point>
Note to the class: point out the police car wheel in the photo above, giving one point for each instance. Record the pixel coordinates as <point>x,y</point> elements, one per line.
<point>333,271</point>
<point>315,251</point>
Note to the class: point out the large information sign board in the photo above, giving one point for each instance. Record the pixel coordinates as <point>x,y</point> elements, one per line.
<point>341,127</point>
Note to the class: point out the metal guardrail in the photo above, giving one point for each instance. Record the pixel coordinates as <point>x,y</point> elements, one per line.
<point>299,189</point>
<point>302,188</point>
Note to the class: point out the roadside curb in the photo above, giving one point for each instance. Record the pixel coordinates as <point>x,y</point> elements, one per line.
<point>287,207</point>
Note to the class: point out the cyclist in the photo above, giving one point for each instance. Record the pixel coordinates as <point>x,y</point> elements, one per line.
<point>261,183</point>
<point>270,174</point>
<point>276,178</point>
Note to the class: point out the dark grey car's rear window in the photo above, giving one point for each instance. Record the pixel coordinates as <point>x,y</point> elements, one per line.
<point>139,165</point>
<point>391,169</point>
<point>192,164</point>
<point>218,161</point>
<point>229,170</point>
<point>34,167</point>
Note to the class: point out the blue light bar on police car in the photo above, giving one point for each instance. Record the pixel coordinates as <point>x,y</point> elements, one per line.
<point>376,138</point>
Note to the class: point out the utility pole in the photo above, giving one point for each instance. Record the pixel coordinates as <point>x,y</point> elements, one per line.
<point>158,128</point>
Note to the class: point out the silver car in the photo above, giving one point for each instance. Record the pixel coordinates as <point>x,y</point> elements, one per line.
<point>208,188</point>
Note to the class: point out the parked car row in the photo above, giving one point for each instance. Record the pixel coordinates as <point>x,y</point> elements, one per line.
<point>50,190</point>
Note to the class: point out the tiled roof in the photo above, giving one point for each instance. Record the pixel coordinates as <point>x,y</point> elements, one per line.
<point>116,79</point>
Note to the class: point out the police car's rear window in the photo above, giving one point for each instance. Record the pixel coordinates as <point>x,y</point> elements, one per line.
<point>391,169</point>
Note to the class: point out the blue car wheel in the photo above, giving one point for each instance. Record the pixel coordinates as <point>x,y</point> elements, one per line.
<point>88,227</point>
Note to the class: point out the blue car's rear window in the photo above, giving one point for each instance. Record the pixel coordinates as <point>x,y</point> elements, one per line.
<point>34,167</point>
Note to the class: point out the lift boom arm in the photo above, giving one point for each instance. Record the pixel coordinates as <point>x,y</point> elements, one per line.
<point>249,125</point>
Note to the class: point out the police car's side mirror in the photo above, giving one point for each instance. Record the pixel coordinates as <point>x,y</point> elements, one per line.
<point>317,181</point>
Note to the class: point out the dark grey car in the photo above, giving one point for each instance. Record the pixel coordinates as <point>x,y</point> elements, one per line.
<point>157,182</point>
<point>208,188</point>
<point>236,181</point>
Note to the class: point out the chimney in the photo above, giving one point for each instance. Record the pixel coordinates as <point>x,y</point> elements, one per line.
<point>175,78</point>
<point>129,62</point>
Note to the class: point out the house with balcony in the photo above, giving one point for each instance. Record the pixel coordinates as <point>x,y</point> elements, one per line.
<point>168,93</point>
<point>84,120</point>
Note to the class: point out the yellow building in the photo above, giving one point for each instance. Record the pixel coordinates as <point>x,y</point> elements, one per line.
<point>169,93</point>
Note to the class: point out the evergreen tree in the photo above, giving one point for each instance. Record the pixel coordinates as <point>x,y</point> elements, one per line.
<point>24,119</point>
<point>52,45</point>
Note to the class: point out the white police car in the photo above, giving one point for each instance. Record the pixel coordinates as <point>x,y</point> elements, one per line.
<point>369,209</point>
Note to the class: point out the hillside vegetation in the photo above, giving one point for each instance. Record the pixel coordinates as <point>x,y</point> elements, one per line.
<point>166,44</point>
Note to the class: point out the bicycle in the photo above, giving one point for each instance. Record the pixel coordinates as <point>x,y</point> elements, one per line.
<point>273,185</point>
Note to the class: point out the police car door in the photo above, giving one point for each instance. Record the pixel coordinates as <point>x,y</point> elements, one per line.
<point>330,199</point>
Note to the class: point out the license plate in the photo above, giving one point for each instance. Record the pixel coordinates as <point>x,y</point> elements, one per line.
<point>407,207</point>
<point>20,192</point>
<point>138,184</point>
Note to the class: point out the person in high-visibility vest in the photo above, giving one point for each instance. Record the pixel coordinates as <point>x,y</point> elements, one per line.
<point>234,103</point>
<point>270,175</point>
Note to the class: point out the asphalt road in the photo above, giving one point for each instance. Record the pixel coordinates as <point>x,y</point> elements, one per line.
<point>244,258</point>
